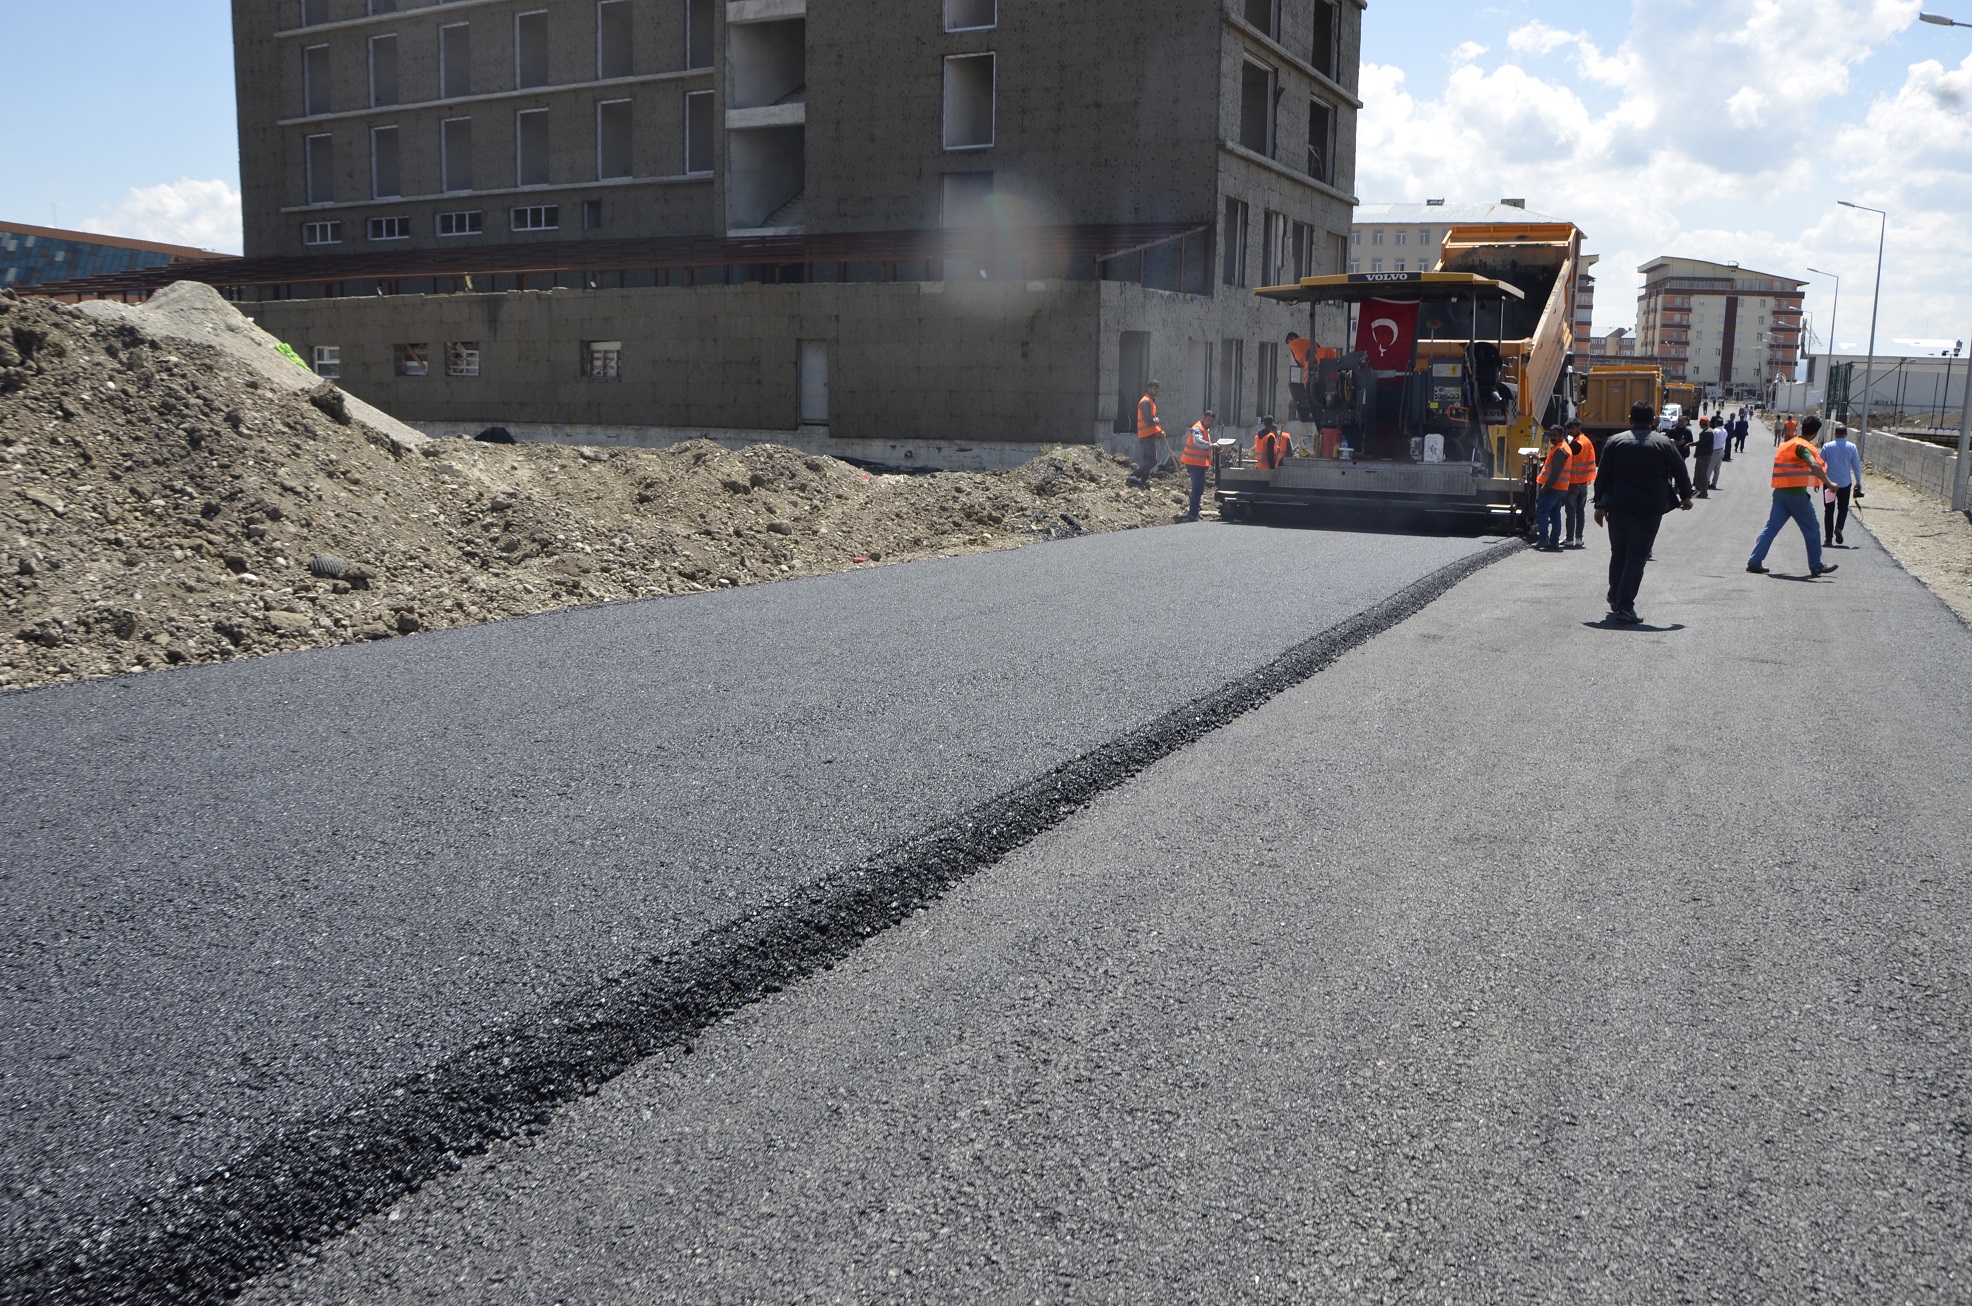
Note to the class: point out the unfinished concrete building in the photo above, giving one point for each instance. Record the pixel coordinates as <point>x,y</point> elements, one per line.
<point>933,229</point>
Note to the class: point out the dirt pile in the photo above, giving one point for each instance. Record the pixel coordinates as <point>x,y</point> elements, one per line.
<point>172,491</point>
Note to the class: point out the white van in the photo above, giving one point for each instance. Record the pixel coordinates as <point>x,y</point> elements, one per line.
<point>1669,417</point>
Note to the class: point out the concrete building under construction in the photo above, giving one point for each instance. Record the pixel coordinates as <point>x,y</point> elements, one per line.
<point>931,223</point>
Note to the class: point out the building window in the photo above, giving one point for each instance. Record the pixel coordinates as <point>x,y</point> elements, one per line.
<point>1265,15</point>
<point>1376,237</point>
<point>1376,265</point>
<point>1273,248</point>
<point>971,15</point>
<point>467,222</point>
<point>313,12</point>
<point>1327,49</point>
<point>328,361</point>
<point>315,80</point>
<point>1266,380</point>
<point>1399,266</point>
<point>612,139</point>
<point>698,33</point>
<point>455,60</point>
<point>319,156</point>
<point>382,7</point>
<point>389,229</point>
<point>531,49</point>
<point>1233,270</point>
<point>969,101</point>
<point>383,71</point>
<point>613,46</point>
<point>385,183</point>
<point>1304,250</point>
<point>1403,238</point>
<point>602,360</point>
<point>536,217</point>
<point>414,360</point>
<point>592,215</point>
<point>1232,382</point>
<point>1256,107</point>
<point>455,153</point>
<point>462,358</point>
<point>1355,238</point>
<point>1424,236</point>
<point>698,132</point>
<point>963,198</point>
<point>321,233</point>
<point>1355,266</point>
<point>531,147</point>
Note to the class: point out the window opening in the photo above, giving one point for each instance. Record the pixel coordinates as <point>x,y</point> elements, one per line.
<point>315,80</point>
<point>1232,382</point>
<point>414,360</point>
<point>467,222</point>
<point>592,215</point>
<point>328,361</point>
<point>1327,43</point>
<point>385,183</point>
<point>613,48</point>
<point>1265,15</point>
<point>698,132</point>
<point>1321,142</point>
<point>455,153</point>
<point>394,228</point>
<point>383,71</point>
<point>603,360</point>
<point>535,217</point>
<point>531,49</point>
<point>455,60</point>
<point>462,358</point>
<point>812,381</point>
<point>963,199</point>
<point>1273,248</point>
<point>1132,376</point>
<point>531,147</point>
<point>969,107</point>
<point>612,139</point>
<point>1234,269</point>
<point>1256,107</point>
<point>698,33</point>
<point>321,233</point>
<point>320,164</point>
<point>971,15</point>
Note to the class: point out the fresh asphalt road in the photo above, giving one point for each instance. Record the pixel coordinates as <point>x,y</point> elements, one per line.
<point>238,896</point>
<point>1511,959</point>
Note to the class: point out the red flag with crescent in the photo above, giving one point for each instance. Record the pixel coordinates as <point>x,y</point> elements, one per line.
<point>1386,332</point>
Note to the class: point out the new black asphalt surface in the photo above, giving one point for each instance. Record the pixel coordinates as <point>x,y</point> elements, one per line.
<point>239,897</point>
<point>1514,958</point>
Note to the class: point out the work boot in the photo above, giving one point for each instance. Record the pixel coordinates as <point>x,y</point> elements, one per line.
<point>1826,569</point>
<point>1756,569</point>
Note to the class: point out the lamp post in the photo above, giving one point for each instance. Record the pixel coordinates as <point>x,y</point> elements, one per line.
<point>1964,445</point>
<point>1828,372</point>
<point>1942,21</point>
<point>1869,371</point>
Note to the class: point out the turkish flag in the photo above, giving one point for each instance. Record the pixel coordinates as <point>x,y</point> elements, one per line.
<point>1386,332</point>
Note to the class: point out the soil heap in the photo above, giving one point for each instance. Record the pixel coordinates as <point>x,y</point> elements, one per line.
<point>173,490</point>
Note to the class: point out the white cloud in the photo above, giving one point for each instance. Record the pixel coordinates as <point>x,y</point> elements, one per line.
<point>1467,51</point>
<point>205,214</point>
<point>1720,130</point>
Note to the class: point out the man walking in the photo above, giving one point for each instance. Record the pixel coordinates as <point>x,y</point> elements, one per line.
<point>1581,475</point>
<point>1553,480</point>
<point>1844,463</point>
<point>1740,432</point>
<point>1641,477</point>
<point>1150,435</point>
<point>1703,454</point>
<point>1797,469</point>
<point>1197,456</point>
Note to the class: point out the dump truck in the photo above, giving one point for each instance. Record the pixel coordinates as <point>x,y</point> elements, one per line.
<point>1438,403</point>
<point>1608,393</point>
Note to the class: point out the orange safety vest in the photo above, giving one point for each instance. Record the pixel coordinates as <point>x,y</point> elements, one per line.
<point>1790,430</point>
<point>1300,349</point>
<point>1270,448</point>
<point>1790,473</point>
<point>1198,447</point>
<point>1148,427</point>
<point>1554,475</point>
<point>1581,462</point>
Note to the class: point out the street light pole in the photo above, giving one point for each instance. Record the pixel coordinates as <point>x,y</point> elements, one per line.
<point>1869,371</point>
<point>1828,372</point>
<point>1964,444</point>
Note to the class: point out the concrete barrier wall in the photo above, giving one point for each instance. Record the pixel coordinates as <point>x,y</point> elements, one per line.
<point>1927,467</point>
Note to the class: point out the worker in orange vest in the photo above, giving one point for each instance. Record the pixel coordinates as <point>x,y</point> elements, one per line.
<point>1197,456</point>
<point>1271,446</point>
<point>1150,436</point>
<point>1581,476</point>
<point>1299,351</point>
<point>1553,480</point>
<point>1797,470</point>
<point>1787,431</point>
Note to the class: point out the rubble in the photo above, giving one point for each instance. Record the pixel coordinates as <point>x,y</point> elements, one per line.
<point>174,491</point>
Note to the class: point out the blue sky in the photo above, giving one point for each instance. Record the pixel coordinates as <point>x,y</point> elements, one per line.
<point>1722,129</point>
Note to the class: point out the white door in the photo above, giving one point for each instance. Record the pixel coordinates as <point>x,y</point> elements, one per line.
<point>814,382</point>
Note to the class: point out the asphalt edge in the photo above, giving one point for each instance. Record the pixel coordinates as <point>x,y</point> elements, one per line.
<point>210,1237</point>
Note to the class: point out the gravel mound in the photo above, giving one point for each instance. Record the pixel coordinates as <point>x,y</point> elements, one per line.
<point>174,491</point>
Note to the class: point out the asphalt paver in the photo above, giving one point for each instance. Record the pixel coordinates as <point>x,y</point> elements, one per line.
<point>1516,957</point>
<point>237,897</point>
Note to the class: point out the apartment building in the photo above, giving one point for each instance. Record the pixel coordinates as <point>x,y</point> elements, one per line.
<point>1718,324</point>
<point>1409,237</point>
<point>893,220</point>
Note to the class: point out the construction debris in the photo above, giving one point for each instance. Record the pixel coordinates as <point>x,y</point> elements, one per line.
<point>173,490</point>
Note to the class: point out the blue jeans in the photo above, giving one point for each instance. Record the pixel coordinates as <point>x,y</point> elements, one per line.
<point>1197,488</point>
<point>1548,515</point>
<point>1800,508</point>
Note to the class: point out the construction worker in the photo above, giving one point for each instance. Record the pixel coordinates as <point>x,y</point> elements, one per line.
<point>1797,470</point>
<point>1554,482</point>
<point>1150,437</point>
<point>1271,446</point>
<point>1197,456</point>
<point>1299,351</point>
<point>1581,476</point>
<point>1786,431</point>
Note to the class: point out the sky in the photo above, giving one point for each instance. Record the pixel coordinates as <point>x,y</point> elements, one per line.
<point>1716,129</point>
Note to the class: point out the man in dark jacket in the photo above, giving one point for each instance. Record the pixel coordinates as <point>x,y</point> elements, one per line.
<point>1641,477</point>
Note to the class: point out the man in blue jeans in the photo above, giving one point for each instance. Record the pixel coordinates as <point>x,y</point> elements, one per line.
<point>1797,471</point>
<point>1553,498</point>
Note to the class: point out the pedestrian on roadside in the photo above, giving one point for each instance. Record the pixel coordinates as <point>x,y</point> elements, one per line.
<point>1844,463</point>
<point>1553,480</point>
<point>1197,456</point>
<point>1640,478</point>
<point>1740,430</point>
<point>1150,436</point>
<point>1581,476</point>
<point>1721,450</point>
<point>1786,431</point>
<point>1797,469</point>
<point>1703,451</point>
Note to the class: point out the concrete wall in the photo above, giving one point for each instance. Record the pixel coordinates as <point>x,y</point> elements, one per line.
<point>1928,467</point>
